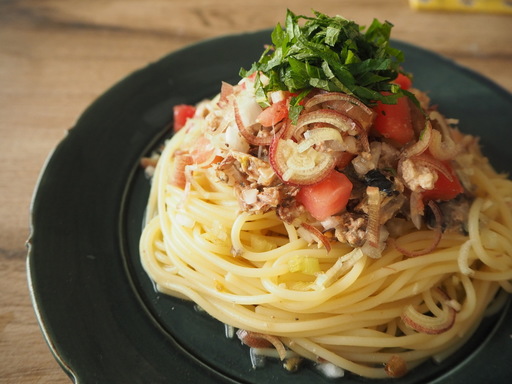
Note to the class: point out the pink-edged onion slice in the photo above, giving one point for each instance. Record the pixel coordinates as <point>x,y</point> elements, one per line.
<point>431,325</point>
<point>250,133</point>
<point>348,105</point>
<point>299,168</point>
<point>416,208</point>
<point>260,340</point>
<point>323,135</point>
<point>373,227</point>
<point>178,176</point>
<point>226,90</point>
<point>434,164</point>
<point>324,117</point>
<point>318,234</point>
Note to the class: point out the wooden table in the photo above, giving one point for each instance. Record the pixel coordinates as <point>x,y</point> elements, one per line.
<point>56,57</point>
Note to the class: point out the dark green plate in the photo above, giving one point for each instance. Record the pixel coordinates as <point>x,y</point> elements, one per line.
<point>100,314</point>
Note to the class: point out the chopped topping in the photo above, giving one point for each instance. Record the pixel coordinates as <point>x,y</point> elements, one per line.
<point>327,131</point>
<point>333,54</point>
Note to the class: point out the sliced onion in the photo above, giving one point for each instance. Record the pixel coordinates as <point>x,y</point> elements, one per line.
<point>318,235</point>
<point>324,116</point>
<point>344,263</point>
<point>253,339</point>
<point>226,90</point>
<point>250,196</point>
<point>431,325</point>
<point>363,139</point>
<point>178,177</point>
<point>250,133</point>
<point>203,152</point>
<point>435,239</point>
<point>318,136</point>
<point>417,208</point>
<point>433,164</point>
<point>422,144</point>
<point>372,229</point>
<point>260,340</point>
<point>443,147</point>
<point>299,168</point>
<point>346,104</point>
<point>463,258</point>
<point>233,139</point>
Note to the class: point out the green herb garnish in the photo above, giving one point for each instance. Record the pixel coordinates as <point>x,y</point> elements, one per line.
<point>333,54</point>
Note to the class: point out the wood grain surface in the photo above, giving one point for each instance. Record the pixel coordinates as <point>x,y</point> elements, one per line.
<point>56,57</point>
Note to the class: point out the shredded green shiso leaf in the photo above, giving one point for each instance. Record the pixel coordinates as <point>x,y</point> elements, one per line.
<point>333,54</point>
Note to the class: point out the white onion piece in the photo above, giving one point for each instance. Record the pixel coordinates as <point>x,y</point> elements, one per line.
<point>343,264</point>
<point>248,108</point>
<point>277,96</point>
<point>234,140</point>
<point>250,196</point>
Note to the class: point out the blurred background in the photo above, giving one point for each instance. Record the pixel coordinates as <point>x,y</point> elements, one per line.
<point>56,57</point>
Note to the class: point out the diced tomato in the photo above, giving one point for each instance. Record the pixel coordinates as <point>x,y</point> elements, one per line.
<point>326,197</point>
<point>182,113</point>
<point>403,81</point>
<point>273,114</point>
<point>444,188</point>
<point>394,122</point>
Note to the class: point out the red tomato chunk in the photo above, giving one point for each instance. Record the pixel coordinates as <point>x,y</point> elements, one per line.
<point>403,81</point>
<point>182,113</point>
<point>394,121</point>
<point>444,188</point>
<point>274,114</point>
<point>326,197</point>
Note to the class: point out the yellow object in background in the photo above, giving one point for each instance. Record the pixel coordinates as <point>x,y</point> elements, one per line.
<point>495,6</point>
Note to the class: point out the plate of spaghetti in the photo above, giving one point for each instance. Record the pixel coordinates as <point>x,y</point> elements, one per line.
<point>311,203</point>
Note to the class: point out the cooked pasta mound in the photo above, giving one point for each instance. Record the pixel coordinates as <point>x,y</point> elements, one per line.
<point>324,236</point>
